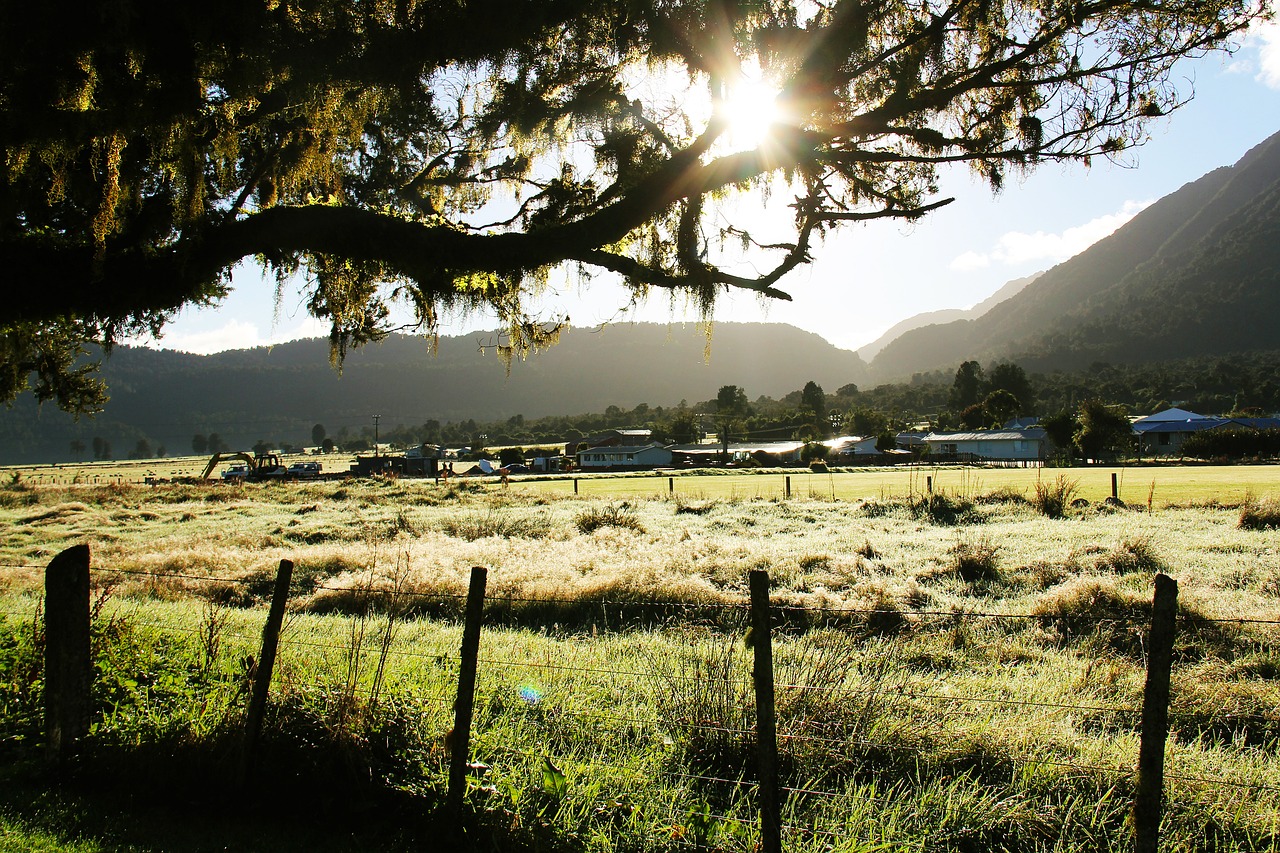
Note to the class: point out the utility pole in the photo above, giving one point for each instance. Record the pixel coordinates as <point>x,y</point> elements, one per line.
<point>376,451</point>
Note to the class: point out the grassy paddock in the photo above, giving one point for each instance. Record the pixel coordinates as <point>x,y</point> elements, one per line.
<point>614,705</point>
<point>1161,484</point>
<point>1165,485</point>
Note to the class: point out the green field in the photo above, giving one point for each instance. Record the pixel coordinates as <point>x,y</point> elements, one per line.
<point>1162,484</point>
<point>961,672</point>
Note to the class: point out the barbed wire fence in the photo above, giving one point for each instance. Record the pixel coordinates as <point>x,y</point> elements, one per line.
<point>733,725</point>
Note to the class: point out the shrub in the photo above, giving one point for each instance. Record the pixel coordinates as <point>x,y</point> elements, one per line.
<point>1053,499</point>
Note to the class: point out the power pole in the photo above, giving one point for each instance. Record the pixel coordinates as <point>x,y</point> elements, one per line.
<point>376,451</point>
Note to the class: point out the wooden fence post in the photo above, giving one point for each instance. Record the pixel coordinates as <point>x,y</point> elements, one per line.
<point>671,484</point>
<point>788,487</point>
<point>460,738</point>
<point>1115,487</point>
<point>1148,799</point>
<point>68,671</point>
<point>928,484</point>
<point>266,663</point>
<point>575,485</point>
<point>766,721</point>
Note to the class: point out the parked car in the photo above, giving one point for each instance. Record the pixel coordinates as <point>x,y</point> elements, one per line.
<point>304,470</point>
<point>236,472</point>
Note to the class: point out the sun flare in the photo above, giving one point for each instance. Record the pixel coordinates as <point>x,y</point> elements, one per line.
<point>751,109</point>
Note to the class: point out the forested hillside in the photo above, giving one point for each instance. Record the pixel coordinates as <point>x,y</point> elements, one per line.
<point>279,394</point>
<point>1197,273</point>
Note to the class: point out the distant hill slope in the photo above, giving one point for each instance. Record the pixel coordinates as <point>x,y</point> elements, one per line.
<point>945,315</point>
<point>1196,273</point>
<point>278,393</point>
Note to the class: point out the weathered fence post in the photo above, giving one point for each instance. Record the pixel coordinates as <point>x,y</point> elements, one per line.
<point>1148,799</point>
<point>68,671</point>
<point>575,485</point>
<point>788,489</point>
<point>266,663</point>
<point>928,484</point>
<point>1115,487</point>
<point>766,721</point>
<point>460,738</point>
<point>671,484</point>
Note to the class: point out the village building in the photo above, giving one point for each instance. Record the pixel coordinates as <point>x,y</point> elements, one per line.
<point>611,438</point>
<point>624,457</point>
<point>1009,446</point>
<point>1164,433</point>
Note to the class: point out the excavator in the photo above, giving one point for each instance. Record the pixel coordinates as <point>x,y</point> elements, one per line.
<point>264,467</point>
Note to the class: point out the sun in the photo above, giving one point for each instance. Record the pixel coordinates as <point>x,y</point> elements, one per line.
<point>751,110</point>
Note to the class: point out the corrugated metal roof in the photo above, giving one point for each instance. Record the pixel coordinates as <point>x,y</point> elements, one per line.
<point>988,435</point>
<point>620,448</point>
<point>1174,414</point>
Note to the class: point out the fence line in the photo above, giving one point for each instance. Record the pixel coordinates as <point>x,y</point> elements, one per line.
<point>447,657</point>
<point>770,827</point>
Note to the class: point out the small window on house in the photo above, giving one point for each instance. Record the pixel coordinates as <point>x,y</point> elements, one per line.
<point>1164,438</point>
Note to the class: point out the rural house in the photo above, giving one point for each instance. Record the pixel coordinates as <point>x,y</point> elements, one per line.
<point>624,457</point>
<point>611,438</point>
<point>998,445</point>
<point>1164,433</point>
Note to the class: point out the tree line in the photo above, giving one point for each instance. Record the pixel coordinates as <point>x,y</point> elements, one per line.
<point>971,397</point>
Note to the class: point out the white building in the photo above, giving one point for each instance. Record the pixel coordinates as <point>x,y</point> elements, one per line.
<point>645,456</point>
<point>999,445</point>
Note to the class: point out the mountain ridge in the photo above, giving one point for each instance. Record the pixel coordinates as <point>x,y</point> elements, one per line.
<point>1143,292</point>
<point>277,393</point>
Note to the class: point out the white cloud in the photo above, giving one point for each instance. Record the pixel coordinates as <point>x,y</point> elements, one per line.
<point>1017,247</point>
<point>234,334</point>
<point>1268,38</point>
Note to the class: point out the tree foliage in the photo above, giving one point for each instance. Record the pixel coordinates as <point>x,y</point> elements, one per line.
<point>417,153</point>
<point>1102,429</point>
<point>968,387</point>
<point>1000,406</point>
<point>731,407</point>
<point>1012,378</point>
<point>1233,443</point>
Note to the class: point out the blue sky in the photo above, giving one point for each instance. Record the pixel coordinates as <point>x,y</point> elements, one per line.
<point>866,278</point>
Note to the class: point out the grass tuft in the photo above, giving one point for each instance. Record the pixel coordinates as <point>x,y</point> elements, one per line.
<point>1259,514</point>
<point>686,507</point>
<point>622,516</point>
<point>1131,555</point>
<point>975,561</point>
<point>1053,499</point>
<point>1097,610</point>
<point>941,508</point>
<point>483,525</point>
<point>1007,495</point>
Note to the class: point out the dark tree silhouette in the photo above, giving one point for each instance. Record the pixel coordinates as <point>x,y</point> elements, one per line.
<point>149,147</point>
